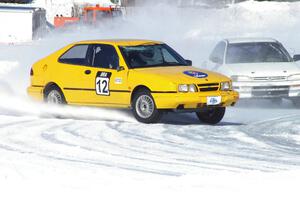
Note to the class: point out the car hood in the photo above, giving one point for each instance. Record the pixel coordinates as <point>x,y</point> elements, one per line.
<point>263,69</point>
<point>182,74</point>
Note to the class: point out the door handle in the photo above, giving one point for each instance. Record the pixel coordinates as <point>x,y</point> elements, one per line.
<point>87,72</point>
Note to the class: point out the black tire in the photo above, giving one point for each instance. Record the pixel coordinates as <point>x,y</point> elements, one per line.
<point>296,102</point>
<point>54,95</point>
<point>143,100</point>
<point>212,115</point>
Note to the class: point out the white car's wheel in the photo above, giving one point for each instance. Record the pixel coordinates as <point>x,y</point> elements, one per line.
<point>296,102</point>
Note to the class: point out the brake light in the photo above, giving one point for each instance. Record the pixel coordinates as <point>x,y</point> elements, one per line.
<point>31,72</point>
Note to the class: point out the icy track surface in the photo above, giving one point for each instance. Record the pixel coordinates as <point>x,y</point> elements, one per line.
<point>80,152</point>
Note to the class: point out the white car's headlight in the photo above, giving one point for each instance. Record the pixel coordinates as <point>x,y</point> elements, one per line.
<point>187,88</point>
<point>294,77</point>
<point>238,78</point>
<point>226,86</point>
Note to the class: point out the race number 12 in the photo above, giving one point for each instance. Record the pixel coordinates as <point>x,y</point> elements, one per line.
<point>102,83</point>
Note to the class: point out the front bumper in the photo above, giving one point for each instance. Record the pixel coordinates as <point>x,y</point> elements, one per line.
<point>193,100</point>
<point>264,90</point>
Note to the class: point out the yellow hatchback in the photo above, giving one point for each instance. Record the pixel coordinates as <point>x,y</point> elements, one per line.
<point>147,76</point>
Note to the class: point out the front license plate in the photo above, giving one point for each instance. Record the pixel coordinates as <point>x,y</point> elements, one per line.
<point>214,100</point>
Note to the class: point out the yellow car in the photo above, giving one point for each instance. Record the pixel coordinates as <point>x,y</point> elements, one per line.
<point>147,76</point>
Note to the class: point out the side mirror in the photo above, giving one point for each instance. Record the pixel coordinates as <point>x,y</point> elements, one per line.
<point>120,68</point>
<point>296,57</point>
<point>189,62</point>
<point>216,60</point>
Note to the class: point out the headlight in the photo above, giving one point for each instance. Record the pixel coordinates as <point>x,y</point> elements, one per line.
<point>187,88</point>
<point>183,88</point>
<point>237,78</point>
<point>192,88</point>
<point>226,86</point>
<point>294,77</point>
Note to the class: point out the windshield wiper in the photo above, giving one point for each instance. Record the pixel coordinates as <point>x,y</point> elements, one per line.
<point>174,64</point>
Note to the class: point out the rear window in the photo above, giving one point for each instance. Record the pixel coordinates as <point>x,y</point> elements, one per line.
<point>77,55</point>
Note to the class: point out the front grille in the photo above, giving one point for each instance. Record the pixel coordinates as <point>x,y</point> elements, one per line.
<point>270,91</point>
<point>208,87</point>
<point>273,78</point>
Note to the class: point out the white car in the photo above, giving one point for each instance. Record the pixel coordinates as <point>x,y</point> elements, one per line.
<point>258,67</point>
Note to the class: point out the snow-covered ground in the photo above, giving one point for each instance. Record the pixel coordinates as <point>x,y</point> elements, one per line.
<point>80,152</point>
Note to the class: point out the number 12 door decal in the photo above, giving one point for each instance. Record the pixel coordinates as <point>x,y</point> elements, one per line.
<point>102,83</point>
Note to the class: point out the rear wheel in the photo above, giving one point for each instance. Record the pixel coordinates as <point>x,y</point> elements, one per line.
<point>144,108</point>
<point>212,115</point>
<point>53,95</point>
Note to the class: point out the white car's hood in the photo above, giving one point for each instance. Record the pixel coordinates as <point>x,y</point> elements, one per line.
<point>263,69</point>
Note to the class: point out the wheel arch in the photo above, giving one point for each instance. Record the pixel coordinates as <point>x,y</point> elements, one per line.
<point>48,86</point>
<point>137,89</point>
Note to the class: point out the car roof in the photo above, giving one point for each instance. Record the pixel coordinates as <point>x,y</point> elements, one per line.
<point>121,42</point>
<point>250,40</point>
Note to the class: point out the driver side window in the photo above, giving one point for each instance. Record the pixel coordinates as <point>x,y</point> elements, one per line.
<point>104,56</point>
<point>217,55</point>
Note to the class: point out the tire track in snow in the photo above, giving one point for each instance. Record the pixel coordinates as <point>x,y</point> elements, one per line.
<point>206,148</point>
<point>282,133</point>
<point>163,149</point>
<point>27,148</point>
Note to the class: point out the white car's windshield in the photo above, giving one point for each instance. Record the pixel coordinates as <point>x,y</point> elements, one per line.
<point>259,52</point>
<point>142,56</point>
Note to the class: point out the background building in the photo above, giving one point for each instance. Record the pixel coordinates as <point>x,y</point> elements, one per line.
<point>210,3</point>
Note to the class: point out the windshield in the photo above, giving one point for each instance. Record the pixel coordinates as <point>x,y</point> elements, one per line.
<point>259,52</point>
<point>142,56</point>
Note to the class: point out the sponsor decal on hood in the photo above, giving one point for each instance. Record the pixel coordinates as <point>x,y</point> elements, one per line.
<point>195,74</point>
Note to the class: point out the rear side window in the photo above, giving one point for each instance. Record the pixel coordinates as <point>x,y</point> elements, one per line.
<point>77,55</point>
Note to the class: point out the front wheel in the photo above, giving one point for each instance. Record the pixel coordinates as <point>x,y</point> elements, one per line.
<point>296,102</point>
<point>144,108</point>
<point>212,115</point>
